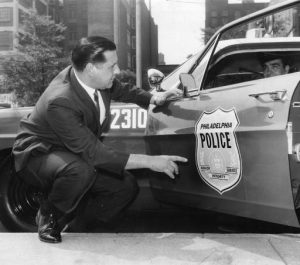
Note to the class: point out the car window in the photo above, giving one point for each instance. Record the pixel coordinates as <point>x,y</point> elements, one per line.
<point>261,48</point>
<point>199,71</point>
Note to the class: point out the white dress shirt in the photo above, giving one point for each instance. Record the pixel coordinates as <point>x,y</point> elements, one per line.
<point>90,92</point>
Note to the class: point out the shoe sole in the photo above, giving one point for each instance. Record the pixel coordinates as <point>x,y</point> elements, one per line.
<point>48,241</point>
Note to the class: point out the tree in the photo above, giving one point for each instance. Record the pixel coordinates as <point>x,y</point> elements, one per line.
<point>38,59</point>
<point>127,76</point>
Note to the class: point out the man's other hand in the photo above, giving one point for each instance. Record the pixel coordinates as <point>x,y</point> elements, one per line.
<point>163,163</point>
<point>166,164</point>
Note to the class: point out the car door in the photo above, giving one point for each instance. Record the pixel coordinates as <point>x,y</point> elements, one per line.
<point>237,139</point>
<point>237,145</point>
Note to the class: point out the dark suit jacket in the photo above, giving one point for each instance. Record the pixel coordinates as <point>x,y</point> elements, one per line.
<point>65,117</point>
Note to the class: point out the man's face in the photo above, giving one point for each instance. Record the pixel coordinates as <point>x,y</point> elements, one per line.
<point>275,67</point>
<point>103,74</point>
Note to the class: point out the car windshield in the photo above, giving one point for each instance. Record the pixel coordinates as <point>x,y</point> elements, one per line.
<point>265,47</point>
<point>276,25</point>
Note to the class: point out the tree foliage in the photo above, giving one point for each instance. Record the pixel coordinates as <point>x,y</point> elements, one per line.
<point>38,59</point>
<point>127,76</point>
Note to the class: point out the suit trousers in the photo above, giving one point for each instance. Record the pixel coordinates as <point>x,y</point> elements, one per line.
<point>66,179</point>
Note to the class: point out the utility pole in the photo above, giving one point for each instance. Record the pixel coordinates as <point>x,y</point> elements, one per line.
<point>150,32</point>
<point>139,43</point>
<point>116,23</point>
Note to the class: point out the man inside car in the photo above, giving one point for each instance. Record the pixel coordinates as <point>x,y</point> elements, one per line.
<point>274,65</point>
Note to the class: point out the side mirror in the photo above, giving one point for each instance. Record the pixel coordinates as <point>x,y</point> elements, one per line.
<point>188,82</point>
<point>155,78</point>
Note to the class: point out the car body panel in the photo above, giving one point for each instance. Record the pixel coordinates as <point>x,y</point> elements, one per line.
<point>265,166</point>
<point>10,119</point>
<point>127,128</point>
<point>264,183</point>
<point>128,123</point>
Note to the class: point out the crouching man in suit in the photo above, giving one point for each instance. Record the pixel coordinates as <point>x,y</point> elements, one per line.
<point>58,148</point>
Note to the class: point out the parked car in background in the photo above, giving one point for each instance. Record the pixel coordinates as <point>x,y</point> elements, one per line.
<point>5,105</point>
<point>239,129</point>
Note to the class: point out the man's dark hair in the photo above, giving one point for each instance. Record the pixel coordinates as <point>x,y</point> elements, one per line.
<point>90,50</point>
<point>270,56</point>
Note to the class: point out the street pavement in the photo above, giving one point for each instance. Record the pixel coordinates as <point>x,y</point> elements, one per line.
<point>166,238</point>
<point>151,248</point>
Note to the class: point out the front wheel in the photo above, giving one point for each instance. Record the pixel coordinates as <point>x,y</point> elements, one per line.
<point>18,201</point>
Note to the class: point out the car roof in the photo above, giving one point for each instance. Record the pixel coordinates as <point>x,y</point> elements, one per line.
<point>263,43</point>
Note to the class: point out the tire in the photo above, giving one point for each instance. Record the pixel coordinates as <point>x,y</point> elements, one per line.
<point>18,201</point>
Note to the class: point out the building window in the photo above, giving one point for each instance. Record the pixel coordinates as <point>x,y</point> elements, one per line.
<point>21,17</point>
<point>237,14</point>
<point>214,22</point>
<point>128,38</point>
<point>133,62</point>
<point>133,22</point>
<point>249,11</point>
<point>26,3</point>
<point>214,14</point>
<point>71,12</point>
<point>129,60</point>
<point>5,14</point>
<point>41,8</point>
<point>128,18</point>
<point>234,2</point>
<point>6,40</point>
<point>133,42</point>
<point>225,13</point>
<point>225,20</point>
<point>73,35</point>
<point>83,31</point>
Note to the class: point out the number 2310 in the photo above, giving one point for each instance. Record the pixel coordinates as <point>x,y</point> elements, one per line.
<point>130,118</point>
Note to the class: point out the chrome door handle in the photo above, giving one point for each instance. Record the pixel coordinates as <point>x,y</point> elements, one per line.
<point>274,95</point>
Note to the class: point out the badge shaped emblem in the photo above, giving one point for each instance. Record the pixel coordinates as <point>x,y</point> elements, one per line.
<point>218,156</point>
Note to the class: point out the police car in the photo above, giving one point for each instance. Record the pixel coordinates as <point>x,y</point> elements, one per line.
<point>237,125</point>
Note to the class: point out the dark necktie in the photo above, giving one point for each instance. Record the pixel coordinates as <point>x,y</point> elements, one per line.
<point>96,98</point>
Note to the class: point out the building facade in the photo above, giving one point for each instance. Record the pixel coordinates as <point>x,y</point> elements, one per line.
<point>75,19</point>
<point>11,12</point>
<point>10,18</point>
<point>115,20</point>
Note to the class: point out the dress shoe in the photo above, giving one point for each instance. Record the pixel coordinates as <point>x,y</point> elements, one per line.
<point>48,228</point>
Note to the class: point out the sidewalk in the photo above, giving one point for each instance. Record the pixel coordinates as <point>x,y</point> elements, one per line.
<point>158,249</point>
